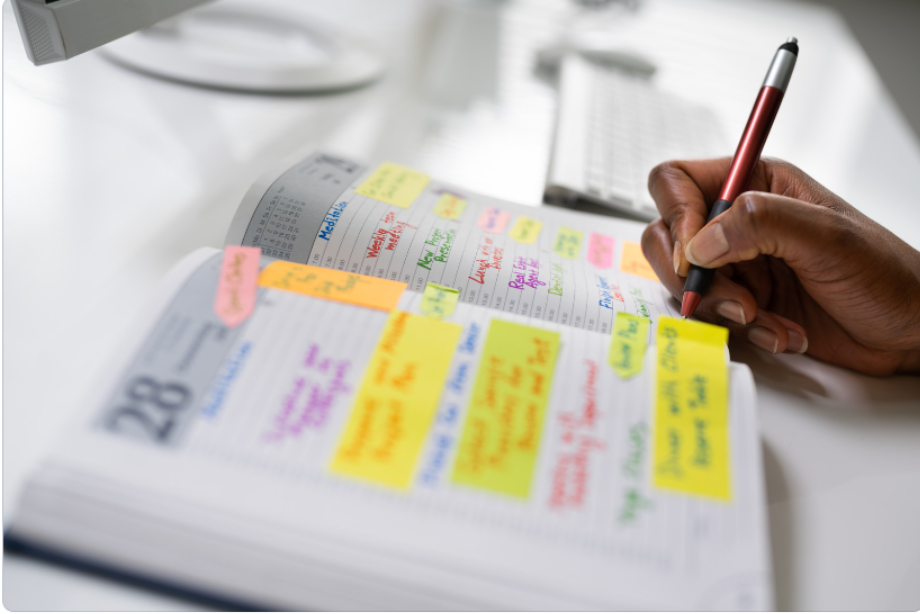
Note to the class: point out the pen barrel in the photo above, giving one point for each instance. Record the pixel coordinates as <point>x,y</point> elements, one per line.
<point>746,156</point>
<point>718,208</point>
<point>698,279</point>
<point>752,141</point>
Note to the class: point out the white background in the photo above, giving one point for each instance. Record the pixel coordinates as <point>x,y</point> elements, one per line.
<point>111,177</point>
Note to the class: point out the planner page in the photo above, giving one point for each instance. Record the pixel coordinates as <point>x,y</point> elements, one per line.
<point>396,223</point>
<point>351,445</point>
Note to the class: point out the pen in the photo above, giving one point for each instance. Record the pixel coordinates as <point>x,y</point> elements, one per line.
<point>746,157</point>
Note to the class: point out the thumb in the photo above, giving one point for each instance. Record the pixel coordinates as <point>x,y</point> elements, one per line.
<point>761,223</point>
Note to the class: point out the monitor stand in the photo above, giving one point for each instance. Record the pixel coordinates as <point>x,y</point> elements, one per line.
<point>246,49</point>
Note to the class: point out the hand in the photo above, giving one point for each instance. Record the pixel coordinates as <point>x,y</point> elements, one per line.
<point>798,269</point>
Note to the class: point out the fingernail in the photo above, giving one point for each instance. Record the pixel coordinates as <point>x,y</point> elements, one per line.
<point>707,245</point>
<point>678,251</point>
<point>798,342</point>
<point>764,338</point>
<point>732,310</point>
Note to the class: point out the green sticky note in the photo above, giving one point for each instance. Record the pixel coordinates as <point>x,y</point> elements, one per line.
<point>567,243</point>
<point>504,420</point>
<point>627,344</point>
<point>439,301</point>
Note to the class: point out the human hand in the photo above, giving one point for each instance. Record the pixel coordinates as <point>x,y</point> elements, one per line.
<point>798,269</point>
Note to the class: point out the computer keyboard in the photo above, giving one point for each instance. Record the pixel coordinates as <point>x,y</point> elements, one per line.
<point>613,128</point>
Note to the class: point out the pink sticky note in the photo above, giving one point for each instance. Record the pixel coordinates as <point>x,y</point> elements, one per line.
<point>494,220</point>
<point>600,250</point>
<point>236,290</point>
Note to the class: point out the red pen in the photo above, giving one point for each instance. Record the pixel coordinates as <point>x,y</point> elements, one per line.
<point>746,157</point>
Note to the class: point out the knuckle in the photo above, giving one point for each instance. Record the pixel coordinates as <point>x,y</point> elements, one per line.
<point>844,215</point>
<point>652,233</point>
<point>841,227</point>
<point>752,217</point>
<point>654,228</point>
<point>662,173</point>
<point>785,178</point>
<point>753,213</point>
<point>783,166</point>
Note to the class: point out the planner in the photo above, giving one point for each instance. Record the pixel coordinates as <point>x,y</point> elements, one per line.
<point>390,393</point>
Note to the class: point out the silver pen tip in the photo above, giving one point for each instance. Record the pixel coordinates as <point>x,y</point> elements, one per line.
<point>792,39</point>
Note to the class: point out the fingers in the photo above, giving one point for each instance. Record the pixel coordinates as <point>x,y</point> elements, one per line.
<point>725,300</point>
<point>726,303</point>
<point>682,190</point>
<point>656,246</point>
<point>796,336</point>
<point>732,306</point>
<point>760,223</point>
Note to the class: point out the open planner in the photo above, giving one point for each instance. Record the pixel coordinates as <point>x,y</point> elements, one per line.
<point>419,411</point>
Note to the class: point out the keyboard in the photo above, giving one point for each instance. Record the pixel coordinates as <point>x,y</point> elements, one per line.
<point>612,128</point>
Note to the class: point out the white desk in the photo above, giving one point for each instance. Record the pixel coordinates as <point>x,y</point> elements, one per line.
<point>111,177</point>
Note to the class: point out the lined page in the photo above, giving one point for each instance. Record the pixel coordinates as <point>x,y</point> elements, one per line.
<point>313,213</point>
<point>267,406</point>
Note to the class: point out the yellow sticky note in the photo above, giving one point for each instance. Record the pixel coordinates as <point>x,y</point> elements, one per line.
<point>634,261</point>
<point>397,401</point>
<point>567,243</point>
<point>334,285</point>
<point>627,344</point>
<point>450,206</point>
<point>439,301</point>
<point>525,230</point>
<point>501,435</point>
<point>691,445</point>
<point>394,184</point>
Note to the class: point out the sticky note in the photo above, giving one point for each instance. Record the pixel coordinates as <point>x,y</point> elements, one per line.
<point>504,422</point>
<point>600,250</point>
<point>397,401</point>
<point>691,444</point>
<point>394,184</point>
<point>237,286</point>
<point>450,206</point>
<point>334,285</point>
<point>567,243</point>
<point>634,262</point>
<point>525,230</point>
<point>493,220</point>
<point>627,344</point>
<point>439,301</point>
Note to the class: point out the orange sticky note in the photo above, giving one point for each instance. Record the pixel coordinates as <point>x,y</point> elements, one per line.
<point>236,289</point>
<point>334,285</point>
<point>634,262</point>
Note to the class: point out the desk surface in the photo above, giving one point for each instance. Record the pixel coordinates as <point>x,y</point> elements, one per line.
<point>111,177</point>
